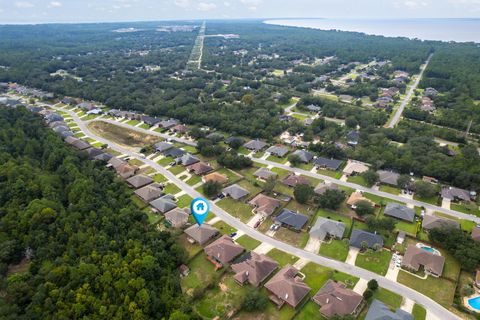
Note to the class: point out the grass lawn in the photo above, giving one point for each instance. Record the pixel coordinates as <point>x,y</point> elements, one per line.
<point>358,180</point>
<point>135,162</point>
<point>377,262</point>
<point>297,239</point>
<point>305,166</point>
<point>191,249</point>
<point>138,202</point>
<point>282,173</point>
<point>400,225</point>
<point>466,225</point>
<point>433,200</point>
<point>419,312</point>
<point>201,273</point>
<point>236,208</point>
<point>165,161</point>
<point>144,126</point>
<point>325,213</point>
<point>277,159</point>
<point>194,180</point>
<point>133,122</point>
<point>390,189</point>
<point>388,297</point>
<point>308,209</point>
<point>330,173</point>
<point>224,228</point>
<point>336,249</point>
<point>380,200</point>
<point>430,287</point>
<point>468,208</point>
<point>281,257</point>
<point>248,242</point>
<point>250,187</point>
<point>259,154</point>
<point>171,188</point>
<point>219,301</point>
<point>122,136</point>
<point>232,176</point>
<point>283,189</point>
<point>176,169</point>
<point>152,217</point>
<point>159,178</point>
<point>184,201</point>
<point>270,313</point>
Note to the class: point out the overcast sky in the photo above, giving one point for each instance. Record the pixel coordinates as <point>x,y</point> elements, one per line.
<point>35,11</point>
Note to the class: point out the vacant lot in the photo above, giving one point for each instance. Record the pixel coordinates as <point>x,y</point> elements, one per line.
<point>122,136</point>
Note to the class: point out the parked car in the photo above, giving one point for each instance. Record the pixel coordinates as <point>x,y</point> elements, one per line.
<point>233,234</point>
<point>257,224</point>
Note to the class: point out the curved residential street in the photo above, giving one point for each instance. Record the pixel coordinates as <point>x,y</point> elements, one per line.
<point>433,308</point>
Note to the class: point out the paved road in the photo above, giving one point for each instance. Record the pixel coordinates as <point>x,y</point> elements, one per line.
<point>410,93</point>
<point>450,212</point>
<point>402,290</point>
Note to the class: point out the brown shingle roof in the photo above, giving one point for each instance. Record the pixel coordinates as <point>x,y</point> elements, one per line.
<point>199,168</point>
<point>335,299</point>
<point>216,177</point>
<point>432,222</point>
<point>356,197</point>
<point>125,170</point>
<point>254,269</point>
<point>264,205</point>
<point>201,234</point>
<point>177,217</point>
<point>287,287</point>
<point>292,180</point>
<point>139,181</point>
<point>150,192</point>
<point>223,249</point>
<point>416,257</point>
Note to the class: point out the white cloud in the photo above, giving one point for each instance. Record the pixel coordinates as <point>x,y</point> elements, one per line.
<point>252,3</point>
<point>204,6</point>
<point>182,3</point>
<point>1,10</point>
<point>415,3</point>
<point>55,4</point>
<point>227,4</point>
<point>24,4</point>
<point>464,1</point>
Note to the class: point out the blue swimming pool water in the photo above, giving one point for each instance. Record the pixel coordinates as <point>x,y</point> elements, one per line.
<point>429,249</point>
<point>475,303</point>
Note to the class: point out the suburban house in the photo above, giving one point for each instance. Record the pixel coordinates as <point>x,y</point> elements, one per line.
<point>278,151</point>
<point>313,108</point>
<point>162,146</point>
<point>335,299</point>
<point>149,192</point>
<point>177,217</point>
<point>139,181</point>
<point>326,228</point>
<point>164,203</point>
<point>380,311</point>
<point>201,234</point>
<point>416,258</point>
<point>264,174</point>
<point>174,153</point>
<point>322,187</point>
<point>223,250</point>
<point>264,205</point>
<point>167,124</point>
<point>399,211</point>
<point>356,197</point>
<point>328,163</point>
<point>86,106</point>
<point>355,167</point>
<point>388,177</point>
<point>476,234</point>
<point>231,139</point>
<point>215,177</point>
<point>304,156</point>
<point>235,192</point>
<point>115,162</point>
<point>126,171</point>
<point>360,236</point>
<point>93,152</point>
<point>186,160</point>
<point>431,92</point>
<point>254,268</point>
<point>291,220</point>
<point>179,128</point>
<point>255,145</point>
<point>184,270</point>
<point>199,168</point>
<point>353,138</point>
<point>77,143</point>
<point>427,104</point>
<point>150,121</point>
<point>455,194</point>
<point>293,180</point>
<point>287,287</point>
<point>105,157</point>
<point>431,222</point>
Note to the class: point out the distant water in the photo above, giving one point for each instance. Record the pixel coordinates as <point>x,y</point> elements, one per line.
<point>459,30</point>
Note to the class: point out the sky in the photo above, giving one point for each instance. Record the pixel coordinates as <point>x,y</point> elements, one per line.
<point>42,11</point>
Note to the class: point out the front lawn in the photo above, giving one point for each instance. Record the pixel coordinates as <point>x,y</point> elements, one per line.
<point>297,239</point>
<point>224,228</point>
<point>184,201</point>
<point>388,297</point>
<point>337,217</point>
<point>133,122</point>
<point>468,208</point>
<point>176,169</point>
<point>336,249</point>
<point>439,289</point>
<point>377,262</point>
<point>171,188</point>
<point>194,180</point>
<point>433,200</point>
<point>247,242</point>
<point>282,173</point>
<point>277,159</point>
<point>165,161</point>
<point>236,208</point>
<point>159,178</point>
<point>380,200</point>
<point>419,312</point>
<point>232,176</point>
<point>330,173</point>
<point>281,257</point>
<point>358,180</point>
<point>390,189</point>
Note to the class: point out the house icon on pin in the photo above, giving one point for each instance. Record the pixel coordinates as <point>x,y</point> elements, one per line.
<point>200,207</point>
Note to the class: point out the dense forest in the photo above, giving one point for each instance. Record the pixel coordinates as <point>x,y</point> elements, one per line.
<point>72,243</point>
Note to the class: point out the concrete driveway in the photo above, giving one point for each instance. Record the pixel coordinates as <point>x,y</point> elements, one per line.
<point>313,245</point>
<point>352,256</point>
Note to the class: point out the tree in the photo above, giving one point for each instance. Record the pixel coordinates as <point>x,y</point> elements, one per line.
<point>372,285</point>
<point>370,177</point>
<point>254,301</point>
<point>248,99</point>
<point>424,189</point>
<point>236,143</point>
<point>363,208</point>
<point>331,199</point>
<point>294,160</point>
<point>269,184</point>
<point>403,181</point>
<point>364,245</point>
<point>303,193</point>
<point>367,294</point>
<point>212,188</point>
<point>381,224</point>
<point>351,122</point>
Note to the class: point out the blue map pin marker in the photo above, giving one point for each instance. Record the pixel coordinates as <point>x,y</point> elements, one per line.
<point>199,208</point>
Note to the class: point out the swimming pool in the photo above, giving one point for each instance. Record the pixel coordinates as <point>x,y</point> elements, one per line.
<point>429,249</point>
<point>474,303</point>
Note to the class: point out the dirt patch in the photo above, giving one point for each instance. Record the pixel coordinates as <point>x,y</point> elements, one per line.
<point>122,136</point>
<point>20,267</point>
<point>223,287</point>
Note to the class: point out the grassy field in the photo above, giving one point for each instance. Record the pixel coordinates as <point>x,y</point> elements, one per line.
<point>248,242</point>
<point>377,262</point>
<point>390,189</point>
<point>336,249</point>
<point>419,312</point>
<point>122,136</point>
<point>191,249</point>
<point>297,239</point>
<point>236,208</point>
<point>176,169</point>
<point>281,257</point>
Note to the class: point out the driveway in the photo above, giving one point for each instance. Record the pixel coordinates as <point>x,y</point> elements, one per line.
<point>254,220</point>
<point>263,248</point>
<point>361,286</point>
<point>313,245</point>
<point>352,256</point>
<point>445,203</point>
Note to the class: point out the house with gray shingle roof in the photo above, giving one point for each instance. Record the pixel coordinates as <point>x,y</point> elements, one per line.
<point>201,234</point>
<point>325,227</point>
<point>399,211</point>
<point>264,173</point>
<point>223,250</point>
<point>235,192</point>
<point>290,219</point>
<point>164,203</point>
<point>431,222</point>
<point>163,146</point>
<point>254,268</point>
<point>139,181</point>
<point>255,145</point>
<point>328,163</point>
<point>455,194</point>
<point>150,192</point>
<point>177,217</point>
<point>335,299</point>
<point>380,311</point>
<point>304,156</point>
<point>360,236</point>
<point>187,159</point>
<point>388,177</point>
<point>416,258</point>
<point>278,151</point>
<point>293,180</point>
